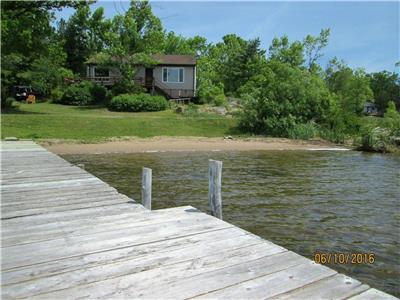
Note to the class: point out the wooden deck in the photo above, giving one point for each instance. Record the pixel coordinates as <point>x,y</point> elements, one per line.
<point>68,235</point>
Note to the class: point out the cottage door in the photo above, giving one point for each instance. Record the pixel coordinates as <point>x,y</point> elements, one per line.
<point>149,77</point>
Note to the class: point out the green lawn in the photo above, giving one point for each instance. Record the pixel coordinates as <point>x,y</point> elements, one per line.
<point>54,121</point>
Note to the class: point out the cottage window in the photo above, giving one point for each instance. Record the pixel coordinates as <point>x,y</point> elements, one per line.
<point>173,75</point>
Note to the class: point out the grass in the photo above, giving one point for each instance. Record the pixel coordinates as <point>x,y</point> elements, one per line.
<point>55,121</point>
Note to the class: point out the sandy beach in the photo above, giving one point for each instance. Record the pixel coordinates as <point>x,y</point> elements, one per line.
<point>165,144</point>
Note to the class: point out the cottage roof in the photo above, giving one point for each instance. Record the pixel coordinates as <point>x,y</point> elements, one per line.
<point>163,59</point>
<point>187,60</point>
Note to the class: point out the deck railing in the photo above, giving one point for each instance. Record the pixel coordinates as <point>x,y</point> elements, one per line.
<point>104,80</point>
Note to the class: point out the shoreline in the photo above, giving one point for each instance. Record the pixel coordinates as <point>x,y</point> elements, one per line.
<point>185,144</point>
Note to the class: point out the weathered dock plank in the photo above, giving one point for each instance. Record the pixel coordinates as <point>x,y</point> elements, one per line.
<point>157,251</point>
<point>373,294</point>
<point>89,227</point>
<point>86,213</point>
<point>334,287</point>
<point>13,256</point>
<point>68,235</point>
<point>117,269</point>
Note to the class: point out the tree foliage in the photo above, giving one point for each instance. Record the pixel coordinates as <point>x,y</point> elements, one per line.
<point>83,36</point>
<point>282,97</point>
<point>313,47</point>
<point>286,52</point>
<point>284,90</point>
<point>352,86</point>
<point>138,30</point>
<point>31,51</point>
<point>386,88</point>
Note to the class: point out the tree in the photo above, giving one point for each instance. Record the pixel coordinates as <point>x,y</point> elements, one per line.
<point>235,61</point>
<point>386,87</point>
<point>313,47</point>
<point>129,41</point>
<point>19,8</point>
<point>25,25</point>
<point>177,44</point>
<point>29,41</point>
<point>282,97</point>
<point>286,52</point>
<point>250,61</point>
<point>139,30</point>
<point>352,86</point>
<point>76,38</point>
<point>83,36</point>
<point>199,45</point>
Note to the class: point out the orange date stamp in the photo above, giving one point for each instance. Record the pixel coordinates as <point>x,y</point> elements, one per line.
<point>344,258</point>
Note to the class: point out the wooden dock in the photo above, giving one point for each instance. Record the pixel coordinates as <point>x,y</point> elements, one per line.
<point>68,235</point>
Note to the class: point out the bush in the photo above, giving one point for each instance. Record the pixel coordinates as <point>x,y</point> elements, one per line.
<point>78,94</point>
<point>83,93</point>
<point>334,135</point>
<point>109,96</point>
<point>280,98</point>
<point>7,103</point>
<point>392,119</point>
<point>209,93</point>
<point>122,87</point>
<point>303,131</point>
<point>375,139</point>
<point>219,100</point>
<point>382,138</point>
<point>99,94</point>
<point>137,103</point>
<point>40,88</point>
<point>56,95</point>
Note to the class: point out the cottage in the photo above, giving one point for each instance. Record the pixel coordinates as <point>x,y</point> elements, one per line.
<point>174,76</point>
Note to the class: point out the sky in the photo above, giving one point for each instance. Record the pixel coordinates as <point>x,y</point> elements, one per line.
<point>365,34</point>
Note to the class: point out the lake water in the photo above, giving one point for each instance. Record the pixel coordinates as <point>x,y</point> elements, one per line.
<point>306,201</point>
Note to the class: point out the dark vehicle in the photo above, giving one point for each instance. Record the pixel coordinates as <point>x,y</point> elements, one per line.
<point>21,92</point>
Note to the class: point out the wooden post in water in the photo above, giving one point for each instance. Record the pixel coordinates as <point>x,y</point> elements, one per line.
<point>146,188</point>
<point>214,188</point>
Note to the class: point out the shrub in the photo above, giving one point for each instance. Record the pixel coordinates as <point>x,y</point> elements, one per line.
<point>280,98</point>
<point>109,96</point>
<point>392,119</point>
<point>122,87</point>
<point>303,131</point>
<point>99,94</point>
<point>209,93</point>
<point>375,139</point>
<point>83,93</point>
<point>382,137</point>
<point>40,88</point>
<point>263,116</point>
<point>334,135</point>
<point>7,103</point>
<point>219,100</point>
<point>78,94</point>
<point>137,103</point>
<point>56,95</point>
